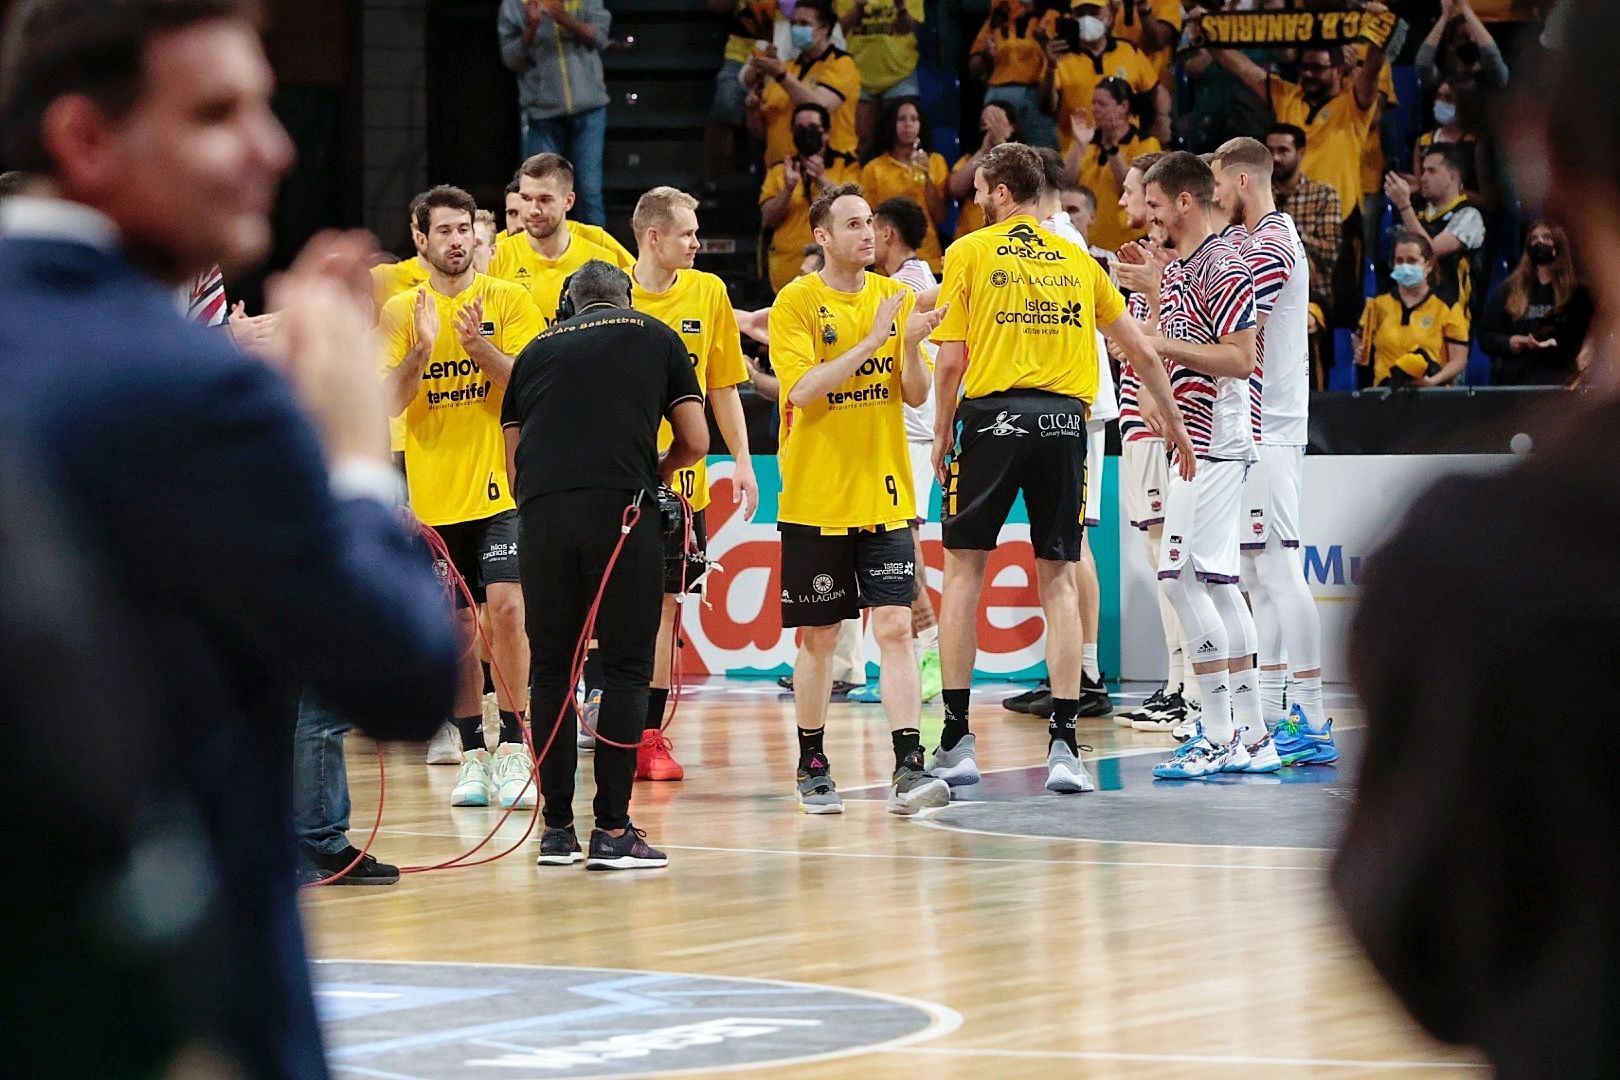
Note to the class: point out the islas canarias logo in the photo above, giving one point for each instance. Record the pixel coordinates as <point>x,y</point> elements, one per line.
<point>1026,242</point>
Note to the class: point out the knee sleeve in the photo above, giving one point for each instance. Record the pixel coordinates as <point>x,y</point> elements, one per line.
<point>1234,614</point>
<point>1267,628</point>
<point>1205,632</point>
<point>1298,625</point>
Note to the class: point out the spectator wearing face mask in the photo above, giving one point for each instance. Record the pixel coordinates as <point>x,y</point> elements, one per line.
<point>1453,224</point>
<point>1477,53</point>
<point>793,184</point>
<point>1458,122</point>
<point>820,74</point>
<point>1081,55</point>
<point>1410,335</point>
<point>1535,323</point>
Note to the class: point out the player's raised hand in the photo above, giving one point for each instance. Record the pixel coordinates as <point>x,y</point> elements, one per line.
<point>426,316</point>
<point>922,323</point>
<point>469,323</point>
<point>884,322</point>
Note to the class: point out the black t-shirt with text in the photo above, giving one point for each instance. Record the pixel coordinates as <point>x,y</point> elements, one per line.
<point>587,396</point>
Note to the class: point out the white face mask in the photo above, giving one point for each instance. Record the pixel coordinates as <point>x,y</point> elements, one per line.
<point>1444,112</point>
<point>1091,28</point>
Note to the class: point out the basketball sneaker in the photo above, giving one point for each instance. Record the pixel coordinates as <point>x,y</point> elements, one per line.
<point>1234,756</point>
<point>1065,773</point>
<point>1263,756</point>
<point>513,773</point>
<point>473,782</point>
<point>1165,716</point>
<point>654,760</point>
<point>559,847</point>
<point>445,747</point>
<point>928,675</point>
<point>589,711</point>
<point>1020,703</point>
<point>817,792</point>
<point>1300,744</point>
<point>957,766</point>
<point>914,788</point>
<point>1155,701</point>
<point>1094,699</point>
<point>627,852</point>
<point>870,694</point>
<point>1192,760</point>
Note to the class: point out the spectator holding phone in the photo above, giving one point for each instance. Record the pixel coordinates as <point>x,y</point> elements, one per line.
<point>1535,323</point>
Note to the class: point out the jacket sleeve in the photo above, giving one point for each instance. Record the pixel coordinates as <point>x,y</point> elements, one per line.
<point>599,18</point>
<point>509,28</point>
<point>1495,328</point>
<point>211,488</point>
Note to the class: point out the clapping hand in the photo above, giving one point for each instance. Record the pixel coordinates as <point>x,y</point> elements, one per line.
<point>922,323</point>
<point>469,323</point>
<point>1081,127</point>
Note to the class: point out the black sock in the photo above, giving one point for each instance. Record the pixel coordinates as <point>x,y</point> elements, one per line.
<point>1061,726</point>
<point>511,732</point>
<point>810,747</point>
<point>906,740</point>
<point>489,678</point>
<point>472,731</point>
<point>956,718</point>
<point>593,672</point>
<point>657,698</point>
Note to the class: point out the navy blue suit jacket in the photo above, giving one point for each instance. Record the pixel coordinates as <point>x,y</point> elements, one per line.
<point>199,487</point>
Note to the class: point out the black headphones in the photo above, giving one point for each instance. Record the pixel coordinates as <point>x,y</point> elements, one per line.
<point>565,302</point>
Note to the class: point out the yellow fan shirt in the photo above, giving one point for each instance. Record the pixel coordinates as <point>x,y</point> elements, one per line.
<point>515,260</point>
<point>603,239</point>
<point>455,453</point>
<point>698,308</point>
<point>1028,303</point>
<point>844,462</point>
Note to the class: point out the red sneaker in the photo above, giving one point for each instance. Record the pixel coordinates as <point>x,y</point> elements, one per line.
<point>653,758</point>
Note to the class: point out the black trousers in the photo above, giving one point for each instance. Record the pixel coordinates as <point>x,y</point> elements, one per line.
<point>567,539</point>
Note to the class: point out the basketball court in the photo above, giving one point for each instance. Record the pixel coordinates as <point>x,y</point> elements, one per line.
<point>1149,930</point>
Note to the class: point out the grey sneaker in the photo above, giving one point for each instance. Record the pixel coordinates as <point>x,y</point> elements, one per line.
<point>914,788</point>
<point>1065,772</point>
<point>559,847</point>
<point>957,766</point>
<point>817,792</point>
<point>592,708</point>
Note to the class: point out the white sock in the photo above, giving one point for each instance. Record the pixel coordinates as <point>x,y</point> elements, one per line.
<point>1246,712</point>
<point>1215,691</point>
<point>929,638</point>
<point>1191,683</point>
<point>1088,662</point>
<point>1273,696</point>
<point>1308,696</point>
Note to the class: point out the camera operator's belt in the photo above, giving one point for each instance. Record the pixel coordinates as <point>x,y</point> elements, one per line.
<point>851,530</point>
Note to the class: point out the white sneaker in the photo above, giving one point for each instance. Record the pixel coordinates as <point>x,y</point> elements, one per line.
<point>1065,773</point>
<point>1186,729</point>
<point>445,747</point>
<point>1233,757</point>
<point>473,787</point>
<point>514,771</point>
<point>957,766</point>
<point>1263,756</point>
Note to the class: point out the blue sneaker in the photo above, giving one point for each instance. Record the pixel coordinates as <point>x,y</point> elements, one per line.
<point>870,694</point>
<point>1298,744</point>
<point>1194,759</point>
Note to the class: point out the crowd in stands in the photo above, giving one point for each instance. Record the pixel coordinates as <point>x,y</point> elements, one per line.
<point>1425,268</point>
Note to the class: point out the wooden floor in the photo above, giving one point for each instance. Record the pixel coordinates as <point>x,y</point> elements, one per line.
<point>1061,957</point>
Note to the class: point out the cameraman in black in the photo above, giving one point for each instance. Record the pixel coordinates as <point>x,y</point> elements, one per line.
<point>581,419</point>
<point>793,184</point>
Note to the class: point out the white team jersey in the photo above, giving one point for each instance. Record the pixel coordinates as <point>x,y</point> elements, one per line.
<point>1273,250</point>
<point>1105,406</point>
<point>915,275</point>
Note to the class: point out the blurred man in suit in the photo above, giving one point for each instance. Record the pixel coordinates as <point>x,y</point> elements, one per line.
<point>249,519</point>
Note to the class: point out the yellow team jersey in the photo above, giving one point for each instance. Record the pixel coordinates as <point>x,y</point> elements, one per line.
<point>968,215</point>
<point>1075,79</point>
<point>884,178</point>
<point>515,260</point>
<point>844,462</point>
<point>605,240</point>
<point>750,21</point>
<point>1028,304</point>
<point>455,453</point>
<point>1020,57</point>
<point>793,233</point>
<point>698,308</point>
<point>1128,27</point>
<point>1390,330</point>
<point>1336,135</point>
<point>1112,228</point>
<point>835,69</point>
<point>388,280</point>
